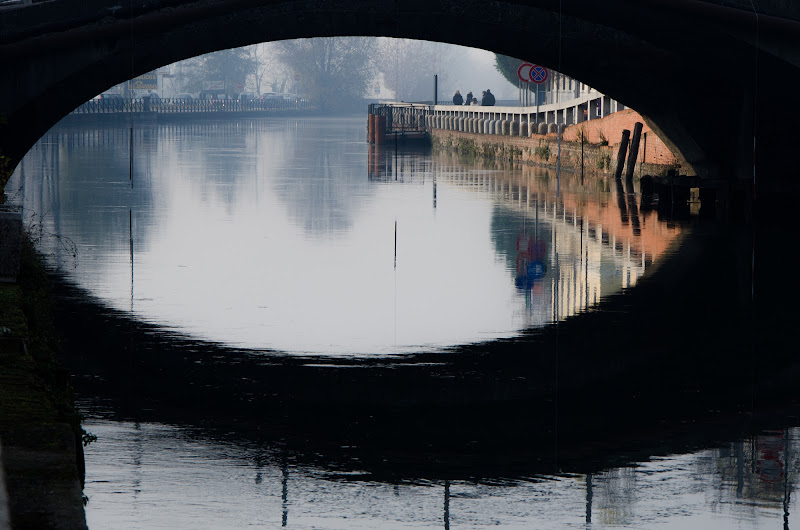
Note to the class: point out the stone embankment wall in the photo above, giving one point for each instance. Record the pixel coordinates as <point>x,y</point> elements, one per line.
<point>597,155</point>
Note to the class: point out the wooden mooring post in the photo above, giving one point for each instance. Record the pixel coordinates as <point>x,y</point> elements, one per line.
<point>623,150</point>
<point>380,130</point>
<point>370,128</point>
<point>634,152</point>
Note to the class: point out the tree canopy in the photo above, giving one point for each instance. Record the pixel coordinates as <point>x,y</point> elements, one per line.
<point>335,71</point>
<point>408,67</point>
<point>231,67</point>
<point>508,67</point>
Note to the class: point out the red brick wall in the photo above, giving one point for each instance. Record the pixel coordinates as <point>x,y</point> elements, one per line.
<point>653,149</point>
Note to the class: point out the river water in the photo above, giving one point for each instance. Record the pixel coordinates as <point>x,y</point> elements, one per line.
<point>243,298</point>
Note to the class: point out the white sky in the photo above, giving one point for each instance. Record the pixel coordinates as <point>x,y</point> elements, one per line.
<point>481,74</point>
<point>473,71</point>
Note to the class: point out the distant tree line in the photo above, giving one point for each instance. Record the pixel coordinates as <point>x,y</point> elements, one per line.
<point>336,72</point>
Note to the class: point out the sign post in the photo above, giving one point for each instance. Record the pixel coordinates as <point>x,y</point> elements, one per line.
<point>523,72</point>
<point>538,75</point>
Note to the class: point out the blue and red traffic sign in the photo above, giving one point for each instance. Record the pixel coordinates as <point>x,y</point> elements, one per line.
<point>532,72</point>
<point>538,74</point>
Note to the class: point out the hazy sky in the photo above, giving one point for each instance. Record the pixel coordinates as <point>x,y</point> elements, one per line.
<point>479,73</point>
<point>472,69</point>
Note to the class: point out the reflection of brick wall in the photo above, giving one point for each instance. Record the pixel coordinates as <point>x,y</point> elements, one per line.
<point>655,151</point>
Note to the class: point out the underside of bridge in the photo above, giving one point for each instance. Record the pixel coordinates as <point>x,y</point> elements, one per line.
<point>710,79</point>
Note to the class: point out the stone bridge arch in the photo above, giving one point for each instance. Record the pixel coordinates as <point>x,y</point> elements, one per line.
<point>701,74</point>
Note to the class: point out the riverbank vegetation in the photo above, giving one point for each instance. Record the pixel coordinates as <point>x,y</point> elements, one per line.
<point>39,425</point>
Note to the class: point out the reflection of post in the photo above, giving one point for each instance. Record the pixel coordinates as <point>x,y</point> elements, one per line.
<point>285,492</point>
<point>623,208</point>
<point>371,162</point>
<point>447,505</point>
<point>634,208</point>
<point>786,491</point>
<point>137,463</point>
<point>434,191</point>
<point>739,468</point>
<point>589,494</point>
<point>556,312</point>
<point>586,266</point>
<point>130,241</point>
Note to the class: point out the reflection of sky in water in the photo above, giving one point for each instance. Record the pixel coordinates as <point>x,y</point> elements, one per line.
<point>158,476</point>
<point>272,234</point>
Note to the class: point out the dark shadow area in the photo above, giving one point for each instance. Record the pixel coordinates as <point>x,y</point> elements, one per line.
<point>693,356</point>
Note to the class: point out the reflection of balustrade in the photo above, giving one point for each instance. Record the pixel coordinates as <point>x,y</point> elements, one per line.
<point>593,248</point>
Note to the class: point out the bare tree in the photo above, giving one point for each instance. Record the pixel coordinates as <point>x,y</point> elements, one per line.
<point>408,67</point>
<point>335,71</point>
<point>269,70</point>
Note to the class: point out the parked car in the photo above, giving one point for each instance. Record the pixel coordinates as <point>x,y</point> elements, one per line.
<point>183,97</point>
<point>112,100</point>
<point>247,96</point>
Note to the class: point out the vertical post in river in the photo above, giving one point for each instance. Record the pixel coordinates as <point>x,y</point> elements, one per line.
<point>634,153</point>
<point>623,149</point>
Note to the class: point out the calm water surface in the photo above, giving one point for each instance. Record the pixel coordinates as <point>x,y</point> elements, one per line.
<point>159,476</point>
<point>291,239</point>
<point>288,235</point>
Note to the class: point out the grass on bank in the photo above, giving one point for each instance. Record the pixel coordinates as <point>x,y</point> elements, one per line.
<point>34,388</point>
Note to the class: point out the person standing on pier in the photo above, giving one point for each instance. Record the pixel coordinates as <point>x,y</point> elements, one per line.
<point>488,98</point>
<point>458,99</point>
<point>469,98</point>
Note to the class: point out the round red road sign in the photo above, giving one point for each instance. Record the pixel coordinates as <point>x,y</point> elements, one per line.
<point>524,72</point>
<point>538,74</point>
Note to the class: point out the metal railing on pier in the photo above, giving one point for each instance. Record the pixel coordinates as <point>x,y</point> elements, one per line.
<point>398,121</point>
<point>174,106</point>
<point>402,118</point>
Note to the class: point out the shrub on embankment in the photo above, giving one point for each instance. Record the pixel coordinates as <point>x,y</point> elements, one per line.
<point>39,424</point>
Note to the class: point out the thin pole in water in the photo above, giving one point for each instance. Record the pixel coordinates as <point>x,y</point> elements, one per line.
<point>130,240</point>
<point>589,494</point>
<point>284,492</point>
<point>558,170</point>
<point>583,139</point>
<point>447,505</point>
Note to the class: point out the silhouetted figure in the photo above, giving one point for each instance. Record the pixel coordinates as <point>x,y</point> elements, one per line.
<point>488,98</point>
<point>458,99</point>
<point>469,99</point>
